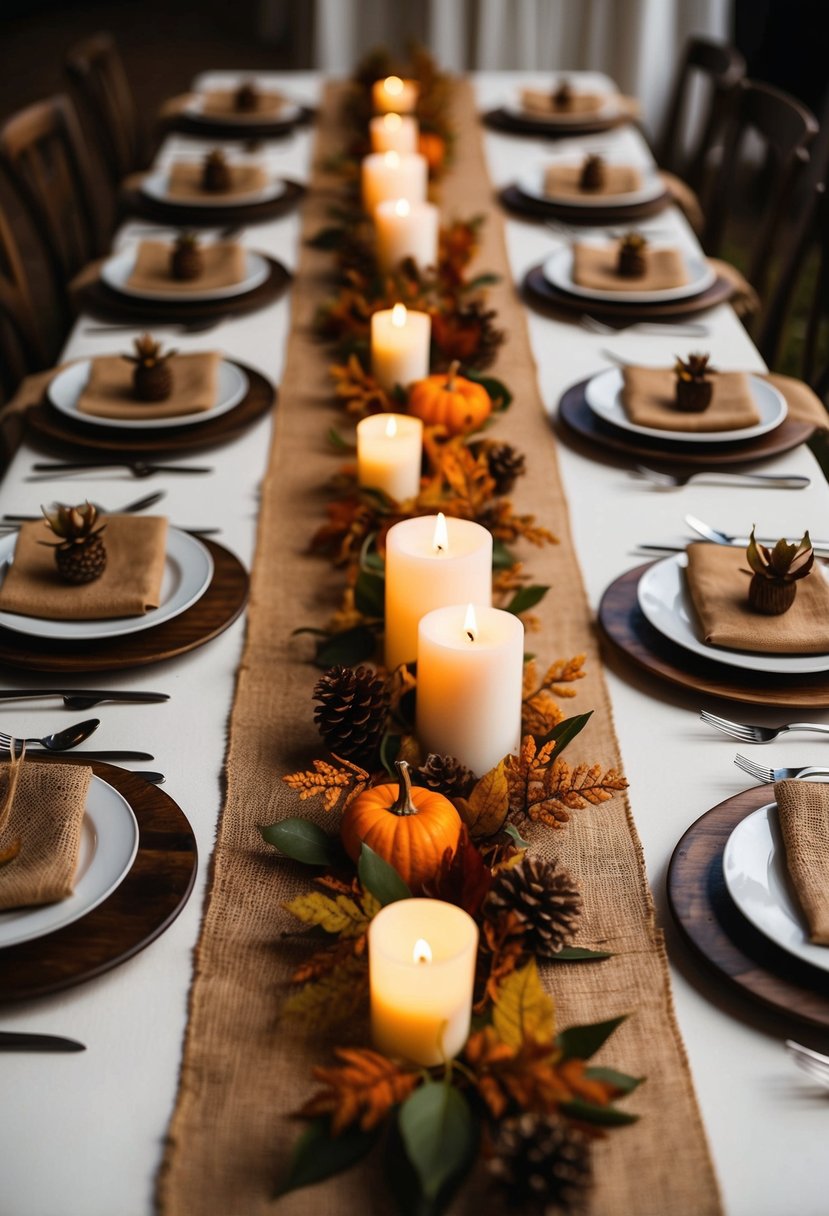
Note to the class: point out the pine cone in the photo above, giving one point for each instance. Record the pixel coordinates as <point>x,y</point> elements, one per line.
<point>446,775</point>
<point>542,1162</point>
<point>547,898</point>
<point>352,711</point>
<point>505,466</point>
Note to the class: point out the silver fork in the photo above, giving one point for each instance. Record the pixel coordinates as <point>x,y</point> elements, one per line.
<point>673,481</point>
<point>723,538</point>
<point>688,329</point>
<point>747,733</point>
<point>812,1062</point>
<point>767,775</point>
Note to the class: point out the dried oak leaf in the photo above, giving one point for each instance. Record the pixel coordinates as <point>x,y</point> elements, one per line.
<point>358,390</point>
<point>501,950</point>
<point>350,521</point>
<point>486,808</point>
<point>326,961</point>
<point>336,997</point>
<point>463,878</point>
<point>329,781</point>
<point>362,1089</point>
<point>341,914</point>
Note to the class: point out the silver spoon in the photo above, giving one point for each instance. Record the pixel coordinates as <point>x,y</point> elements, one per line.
<point>61,740</point>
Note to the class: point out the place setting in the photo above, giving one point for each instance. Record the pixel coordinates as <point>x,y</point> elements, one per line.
<point>564,108</point>
<point>587,188</point>
<point>244,109</point>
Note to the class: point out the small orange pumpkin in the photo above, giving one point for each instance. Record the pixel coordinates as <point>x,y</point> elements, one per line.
<point>408,827</point>
<point>450,400</point>
<point>433,147</point>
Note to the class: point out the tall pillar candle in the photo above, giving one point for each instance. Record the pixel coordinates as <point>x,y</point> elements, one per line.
<point>431,562</point>
<point>400,340</point>
<point>421,960</point>
<point>389,454</point>
<point>392,175</point>
<point>394,133</point>
<point>470,665</point>
<point>394,95</point>
<point>406,230</point>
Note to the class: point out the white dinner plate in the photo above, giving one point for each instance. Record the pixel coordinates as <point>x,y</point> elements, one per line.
<point>531,183</point>
<point>116,271</point>
<point>558,271</point>
<point>754,865</point>
<point>65,390</point>
<point>604,396</point>
<point>156,185</point>
<point>666,604</point>
<point>109,842</point>
<point>194,108</point>
<point>188,570</point>
<point>608,109</point>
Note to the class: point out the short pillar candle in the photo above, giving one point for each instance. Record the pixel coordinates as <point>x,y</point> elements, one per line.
<point>389,454</point>
<point>470,665</point>
<point>421,958</point>
<point>394,133</point>
<point>393,95</point>
<point>392,175</point>
<point>406,230</point>
<point>400,340</point>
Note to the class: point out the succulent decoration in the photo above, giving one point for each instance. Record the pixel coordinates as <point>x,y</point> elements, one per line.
<point>632,250</point>
<point>216,174</point>
<point>152,378</point>
<point>186,257</point>
<point>694,386</point>
<point>81,555</point>
<point>773,585</point>
<point>593,175</point>
<point>563,96</point>
<point>246,97</point>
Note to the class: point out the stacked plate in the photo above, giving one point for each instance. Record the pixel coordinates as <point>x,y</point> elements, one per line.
<point>531,186</point>
<point>156,186</point>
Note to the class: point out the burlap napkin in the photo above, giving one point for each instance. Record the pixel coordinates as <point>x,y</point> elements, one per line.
<point>184,182</point>
<point>744,299</point>
<point>803,402</point>
<point>563,180</point>
<point>803,813</point>
<point>136,547</point>
<point>648,395</point>
<point>109,393</point>
<point>718,578</point>
<point>224,265</point>
<point>594,266</point>
<point>540,101</point>
<point>221,103</point>
<point>45,817</point>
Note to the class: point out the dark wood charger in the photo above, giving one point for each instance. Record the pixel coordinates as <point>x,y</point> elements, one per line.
<point>213,129</point>
<point>543,295</point>
<point>577,416</point>
<point>49,424</point>
<point>136,203</point>
<point>501,119</point>
<point>716,929</point>
<point>102,301</point>
<point>623,624</point>
<point>217,609</point>
<point>145,904</point>
<point>519,203</point>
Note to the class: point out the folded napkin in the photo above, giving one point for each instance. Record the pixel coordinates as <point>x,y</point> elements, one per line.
<point>803,814</point>
<point>222,102</point>
<point>564,180</point>
<point>540,101</point>
<point>648,395</point>
<point>594,266</point>
<point>109,394</point>
<point>224,265</point>
<point>718,578</point>
<point>45,818</point>
<point>136,548</point>
<point>185,181</point>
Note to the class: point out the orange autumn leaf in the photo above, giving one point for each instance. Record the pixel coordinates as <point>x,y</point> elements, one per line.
<point>360,1090</point>
<point>328,781</point>
<point>485,810</point>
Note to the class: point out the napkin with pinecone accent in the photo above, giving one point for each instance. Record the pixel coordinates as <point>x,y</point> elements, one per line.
<point>803,813</point>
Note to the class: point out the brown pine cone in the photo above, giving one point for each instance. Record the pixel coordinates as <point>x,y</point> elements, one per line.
<point>543,1163</point>
<point>505,466</point>
<point>446,775</point>
<point>545,896</point>
<point>352,711</point>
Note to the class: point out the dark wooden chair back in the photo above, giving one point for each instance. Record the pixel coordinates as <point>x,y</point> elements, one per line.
<point>21,347</point>
<point>104,98</point>
<point>715,69</point>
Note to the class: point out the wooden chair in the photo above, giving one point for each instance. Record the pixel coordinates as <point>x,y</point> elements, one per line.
<point>720,69</point>
<point>102,92</point>
<point>22,346</point>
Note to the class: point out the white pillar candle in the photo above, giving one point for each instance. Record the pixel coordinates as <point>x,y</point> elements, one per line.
<point>394,133</point>
<point>421,958</point>
<point>406,230</point>
<point>389,454</point>
<point>390,175</point>
<point>395,95</point>
<point>399,345</point>
<point>470,664</point>
<point>431,562</point>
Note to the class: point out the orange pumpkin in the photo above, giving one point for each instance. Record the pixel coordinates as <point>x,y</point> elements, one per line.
<point>408,827</point>
<point>433,147</point>
<point>451,401</point>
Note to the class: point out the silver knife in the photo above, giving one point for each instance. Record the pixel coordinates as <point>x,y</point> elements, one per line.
<point>82,698</point>
<point>78,754</point>
<point>14,1040</point>
<point>701,540</point>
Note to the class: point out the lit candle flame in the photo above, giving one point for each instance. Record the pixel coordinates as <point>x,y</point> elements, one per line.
<point>393,85</point>
<point>398,316</point>
<point>440,540</point>
<point>392,159</point>
<point>401,207</point>
<point>391,427</point>
<point>470,624</point>
<point>422,952</point>
<point>392,122</point>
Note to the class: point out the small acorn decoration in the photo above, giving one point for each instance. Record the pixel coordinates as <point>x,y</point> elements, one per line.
<point>216,174</point>
<point>563,96</point>
<point>631,260</point>
<point>81,555</point>
<point>593,175</point>
<point>152,379</point>
<point>773,585</point>
<point>246,97</point>
<point>186,258</point>
<point>694,386</point>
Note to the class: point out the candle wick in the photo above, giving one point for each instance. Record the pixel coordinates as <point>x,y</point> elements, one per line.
<point>470,635</point>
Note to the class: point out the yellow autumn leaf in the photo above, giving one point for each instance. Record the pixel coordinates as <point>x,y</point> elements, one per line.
<point>485,810</point>
<point>341,915</point>
<point>523,1009</point>
<point>410,751</point>
<point>332,1000</point>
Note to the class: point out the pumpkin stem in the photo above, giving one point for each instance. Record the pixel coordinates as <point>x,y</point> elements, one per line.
<point>403,804</point>
<point>451,374</point>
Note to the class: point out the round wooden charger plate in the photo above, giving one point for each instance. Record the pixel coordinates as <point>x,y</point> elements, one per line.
<point>148,900</point>
<point>718,931</point>
<point>514,200</point>
<point>50,424</point>
<point>577,415</point>
<point>103,302</point>
<point>136,203</point>
<point>217,609</point>
<point>542,294</point>
<point>255,132</point>
<point>502,120</point>
<point>622,623</point>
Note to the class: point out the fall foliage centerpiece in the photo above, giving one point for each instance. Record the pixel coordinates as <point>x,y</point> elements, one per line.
<point>216,172</point>
<point>593,174</point>
<point>776,572</point>
<point>631,258</point>
<point>80,554</point>
<point>694,383</point>
<point>152,377</point>
<point>186,257</point>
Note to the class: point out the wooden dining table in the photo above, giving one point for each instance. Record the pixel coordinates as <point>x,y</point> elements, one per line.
<point>82,1135</point>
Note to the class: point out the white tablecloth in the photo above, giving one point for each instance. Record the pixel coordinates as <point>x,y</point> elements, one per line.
<point>82,1134</point>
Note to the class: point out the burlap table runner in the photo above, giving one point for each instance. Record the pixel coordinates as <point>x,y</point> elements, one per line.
<point>244,1069</point>
<point>803,812</point>
<point>648,395</point>
<point>595,266</point>
<point>108,392</point>
<point>564,181</point>
<point>185,181</point>
<point>223,266</point>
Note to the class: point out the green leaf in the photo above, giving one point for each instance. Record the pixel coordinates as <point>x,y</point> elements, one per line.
<point>590,1112</point>
<point>582,1042</point>
<point>370,559</point>
<point>499,393</point>
<point>370,594</point>
<point>404,1183</point>
<point>565,731</point>
<point>319,1155</point>
<point>526,598</point>
<point>518,839</point>
<point>348,647</point>
<point>502,558</point>
<point>438,1133</point>
<point>303,841</point>
<point>389,750</point>
<point>487,279</point>
<point>327,238</point>
<point>577,954</point>
<point>336,440</point>
<point>380,878</point>
<point>621,1080</point>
